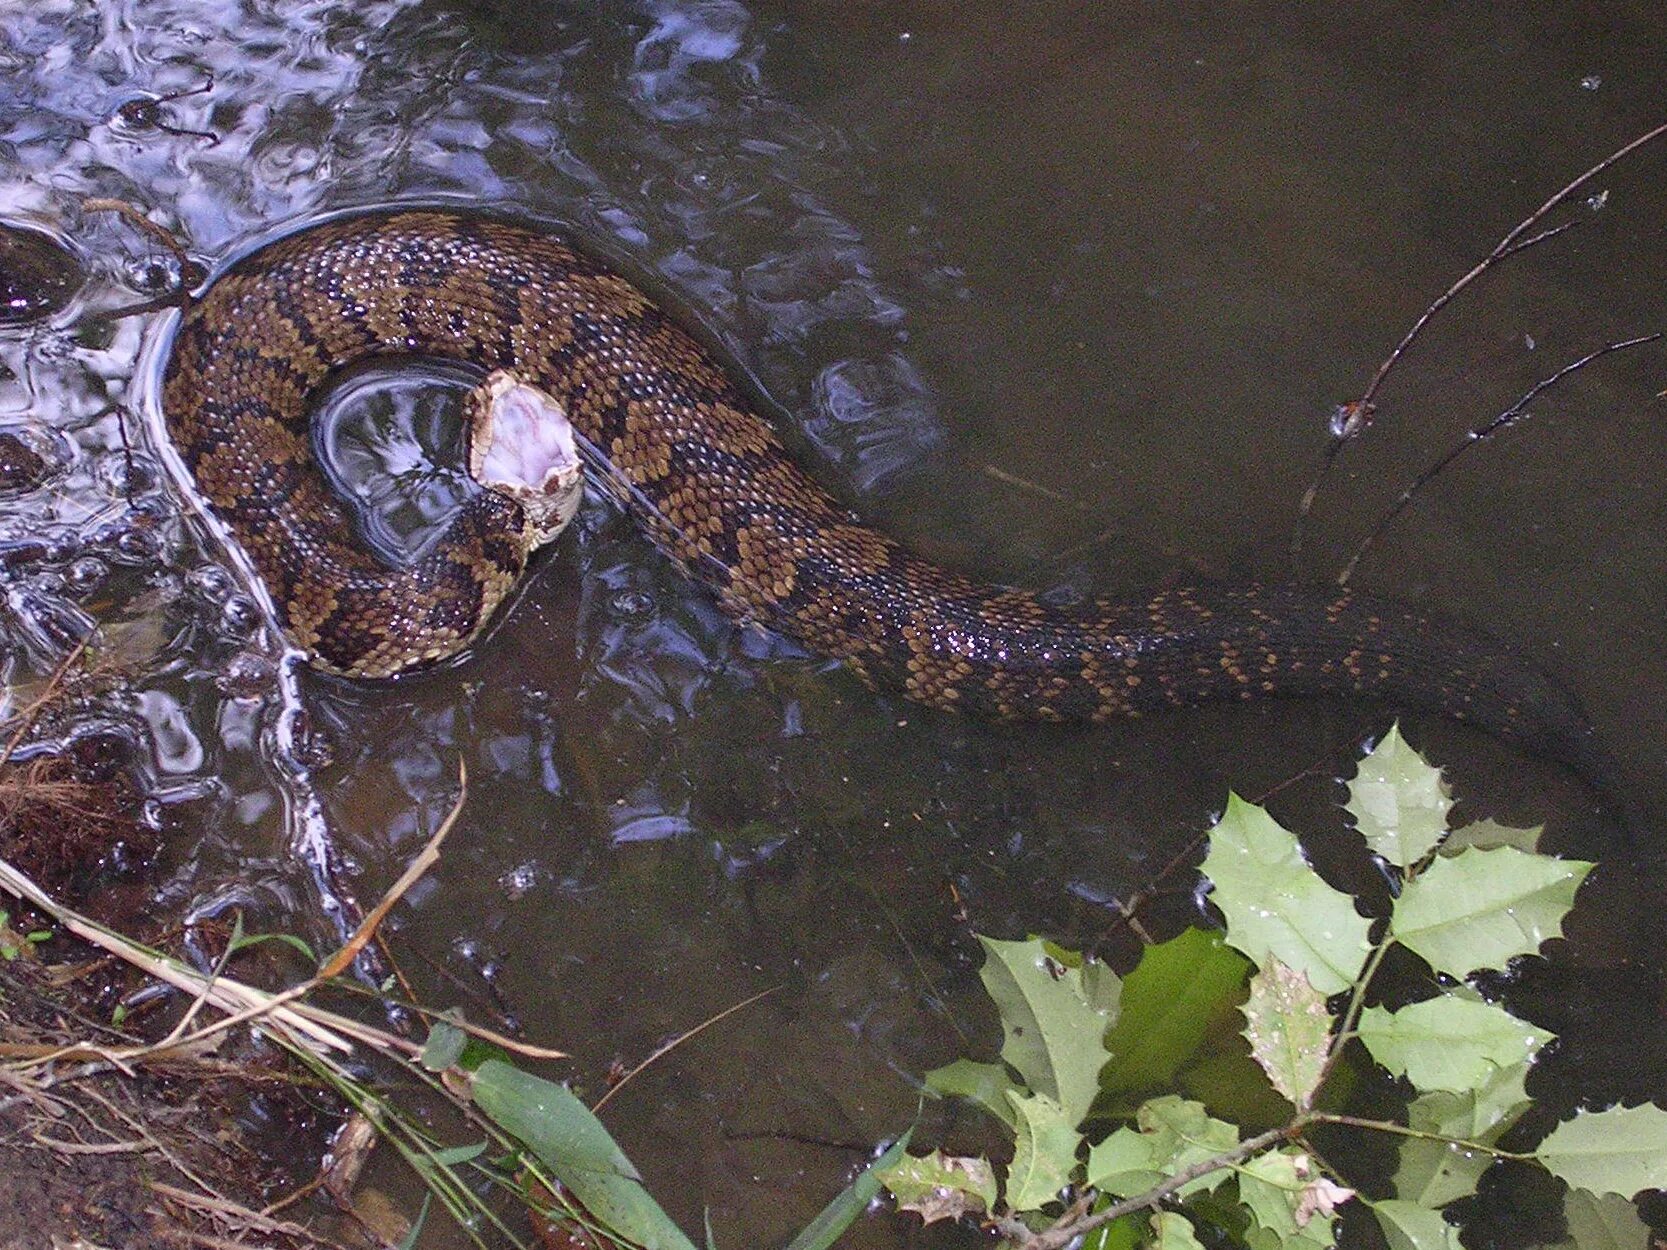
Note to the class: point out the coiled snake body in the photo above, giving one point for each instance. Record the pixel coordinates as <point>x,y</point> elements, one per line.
<point>714,488</point>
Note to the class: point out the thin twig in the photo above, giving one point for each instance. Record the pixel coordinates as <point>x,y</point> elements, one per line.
<point>679,1040</point>
<point>1511,416</point>
<point>1358,415</point>
<point>1068,1230</point>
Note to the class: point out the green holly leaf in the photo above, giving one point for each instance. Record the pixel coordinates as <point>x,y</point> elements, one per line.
<point>1602,1222</point>
<point>1408,1226</point>
<point>986,1084</point>
<point>1175,993</point>
<point>1435,1173</point>
<point>1125,1164</point>
<point>1617,1151</point>
<point>1044,1154</point>
<point>1481,909</point>
<point>1448,1042</point>
<point>1184,1134</point>
<point>1053,1018</point>
<point>1173,1231</point>
<point>1289,1030</point>
<point>1275,904</point>
<point>1489,835</point>
<point>1286,1195</point>
<point>941,1187</point>
<point>1123,1233</point>
<point>1399,802</point>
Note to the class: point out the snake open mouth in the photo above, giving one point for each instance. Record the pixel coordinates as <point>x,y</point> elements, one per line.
<point>521,445</point>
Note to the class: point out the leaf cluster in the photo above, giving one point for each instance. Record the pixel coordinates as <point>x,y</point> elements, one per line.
<point>1296,964</point>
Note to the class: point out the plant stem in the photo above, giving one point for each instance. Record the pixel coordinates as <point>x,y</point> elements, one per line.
<point>1357,1003</point>
<point>1402,1130</point>
<point>1069,1228</point>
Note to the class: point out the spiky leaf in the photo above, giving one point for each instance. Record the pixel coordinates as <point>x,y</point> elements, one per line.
<point>1602,1222</point>
<point>1481,909</point>
<point>1287,1195</point>
<point>1448,1042</point>
<point>1275,904</point>
<point>1408,1226</point>
<point>986,1084</point>
<point>1054,1019</point>
<point>941,1187</point>
<point>1186,1134</point>
<point>1125,1164</point>
<point>1173,1231</point>
<point>1617,1151</point>
<point>1289,1029</point>
<point>1488,835</point>
<point>1435,1173</point>
<point>1399,802</point>
<point>1175,993</point>
<point>1044,1153</point>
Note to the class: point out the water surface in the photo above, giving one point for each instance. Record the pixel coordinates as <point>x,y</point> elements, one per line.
<point>1061,294</point>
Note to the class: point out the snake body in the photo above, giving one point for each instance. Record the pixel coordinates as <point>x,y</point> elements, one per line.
<point>715,489</point>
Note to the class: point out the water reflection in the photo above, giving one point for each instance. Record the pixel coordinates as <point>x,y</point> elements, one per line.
<point>1112,255</point>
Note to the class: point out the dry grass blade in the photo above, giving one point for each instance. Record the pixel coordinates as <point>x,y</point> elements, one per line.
<point>426,859</point>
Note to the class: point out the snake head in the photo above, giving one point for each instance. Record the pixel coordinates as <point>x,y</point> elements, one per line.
<point>521,446</point>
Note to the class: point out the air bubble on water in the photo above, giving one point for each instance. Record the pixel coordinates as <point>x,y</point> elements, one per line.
<point>633,603</point>
<point>87,574</point>
<point>522,879</point>
<point>238,617</point>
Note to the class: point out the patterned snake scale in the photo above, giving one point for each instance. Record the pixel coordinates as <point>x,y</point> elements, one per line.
<point>713,486</point>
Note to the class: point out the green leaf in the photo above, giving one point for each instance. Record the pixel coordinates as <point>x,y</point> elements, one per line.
<point>937,1186</point>
<point>1288,1196</point>
<point>1044,1154</point>
<point>1275,904</point>
<point>409,1241</point>
<point>1123,1233</point>
<point>453,1155</point>
<point>1408,1226</point>
<point>1480,909</point>
<point>1124,1164</point>
<point>1488,835</point>
<point>1289,1030</point>
<point>1618,1151</point>
<point>444,1046</point>
<point>1185,1135</point>
<point>578,1150</point>
<point>1448,1042</point>
<point>1173,1231</point>
<point>1399,802</point>
<point>1603,1222</point>
<point>1053,1018</point>
<point>244,941</point>
<point>1435,1173</point>
<point>832,1221</point>
<point>1269,1186</point>
<point>1176,991</point>
<point>986,1084</point>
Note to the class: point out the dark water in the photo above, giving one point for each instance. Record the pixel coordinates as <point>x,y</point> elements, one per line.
<point>1061,293</point>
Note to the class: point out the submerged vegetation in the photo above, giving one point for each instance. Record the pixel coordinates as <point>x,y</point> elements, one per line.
<point>1205,1098</point>
<point>1300,964</point>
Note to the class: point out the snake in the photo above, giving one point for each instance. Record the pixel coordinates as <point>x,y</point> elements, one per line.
<point>673,439</point>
